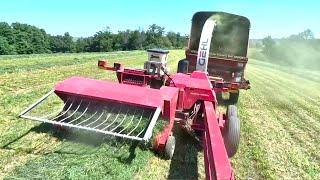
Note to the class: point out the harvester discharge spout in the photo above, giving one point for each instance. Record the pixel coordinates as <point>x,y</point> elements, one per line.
<point>204,44</point>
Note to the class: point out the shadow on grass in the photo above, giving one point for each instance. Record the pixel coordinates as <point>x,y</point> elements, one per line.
<point>184,163</point>
<point>91,141</point>
<point>7,145</point>
<point>112,156</point>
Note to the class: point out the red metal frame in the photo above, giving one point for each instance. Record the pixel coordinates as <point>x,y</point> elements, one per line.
<point>181,94</point>
<point>221,67</point>
<point>109,91</point>
<point>216,159</point>
<point>137,77</point>
<point>170,97</point>
<point>192,88</point>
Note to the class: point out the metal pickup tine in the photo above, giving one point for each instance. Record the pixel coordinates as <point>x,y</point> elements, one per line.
<point>95,120</point>
<point>116,119</point>
<point>121,121</point>
<point>87,118</point>
<point>137,125</point>
<point>72,112</point>
<point>58,111</point>
<point>63,112</point>
<point>145,127</point>
<point>108,116</point>
<point>129,122</point>
<point>81,114</point>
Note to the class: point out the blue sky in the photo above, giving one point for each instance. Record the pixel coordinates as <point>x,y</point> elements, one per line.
<point>84,18</point>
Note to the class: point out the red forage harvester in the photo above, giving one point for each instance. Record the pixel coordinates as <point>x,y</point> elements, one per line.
<point>216,57</point>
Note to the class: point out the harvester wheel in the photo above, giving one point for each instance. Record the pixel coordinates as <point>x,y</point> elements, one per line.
<point>170,146</point>
<point>233,97</point>
<point>219,97</point>
<point>231,135</point>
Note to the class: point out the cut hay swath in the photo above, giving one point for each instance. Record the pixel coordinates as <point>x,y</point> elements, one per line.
<point>279,138</point>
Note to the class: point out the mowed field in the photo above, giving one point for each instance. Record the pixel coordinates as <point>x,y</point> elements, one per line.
<point>280,126</point>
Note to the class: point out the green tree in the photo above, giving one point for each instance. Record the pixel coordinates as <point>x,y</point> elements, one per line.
<point>26,39</point>
<point>5,47</point>
<point>63,43</point>
<point>30,39</point>
<point>305,35</point>
<point>154,36</point>
<point>39,41</point>
<point>177,41</point>
<point>22,44</point>
<point>69,45</point>
<point>268,45</point>
<point>134,41</point>
<point>7,32</point>
<point>56,44</point>
<point>173,38</point>
<point>102,41</point>
<point>82,45</point>
<point>121,40</point>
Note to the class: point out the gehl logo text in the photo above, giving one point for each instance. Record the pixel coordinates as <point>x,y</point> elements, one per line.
<point>203,53</point>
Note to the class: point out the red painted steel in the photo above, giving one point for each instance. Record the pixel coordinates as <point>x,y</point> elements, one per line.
<point>106,90</point>
<point>217,163</point>
<point>183,94</point>
<point>184,91</point>
<point>170,97</point>
<point>165,98</point>
<point>187,90</point>
<point>195,87</point>
<point>137,77</point>
<point>223,67</point>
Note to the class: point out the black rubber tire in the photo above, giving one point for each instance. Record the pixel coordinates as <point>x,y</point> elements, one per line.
<point>231,135</point>
<point>219,97</point>
<point>233,98</point>
<point>170,146</point>
<point>183,66</point>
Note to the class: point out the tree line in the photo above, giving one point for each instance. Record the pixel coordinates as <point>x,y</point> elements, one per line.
<point>19,38</point>
<point>300,50</point>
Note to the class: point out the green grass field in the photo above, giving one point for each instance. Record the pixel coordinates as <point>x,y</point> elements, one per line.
<point>280,125</point>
